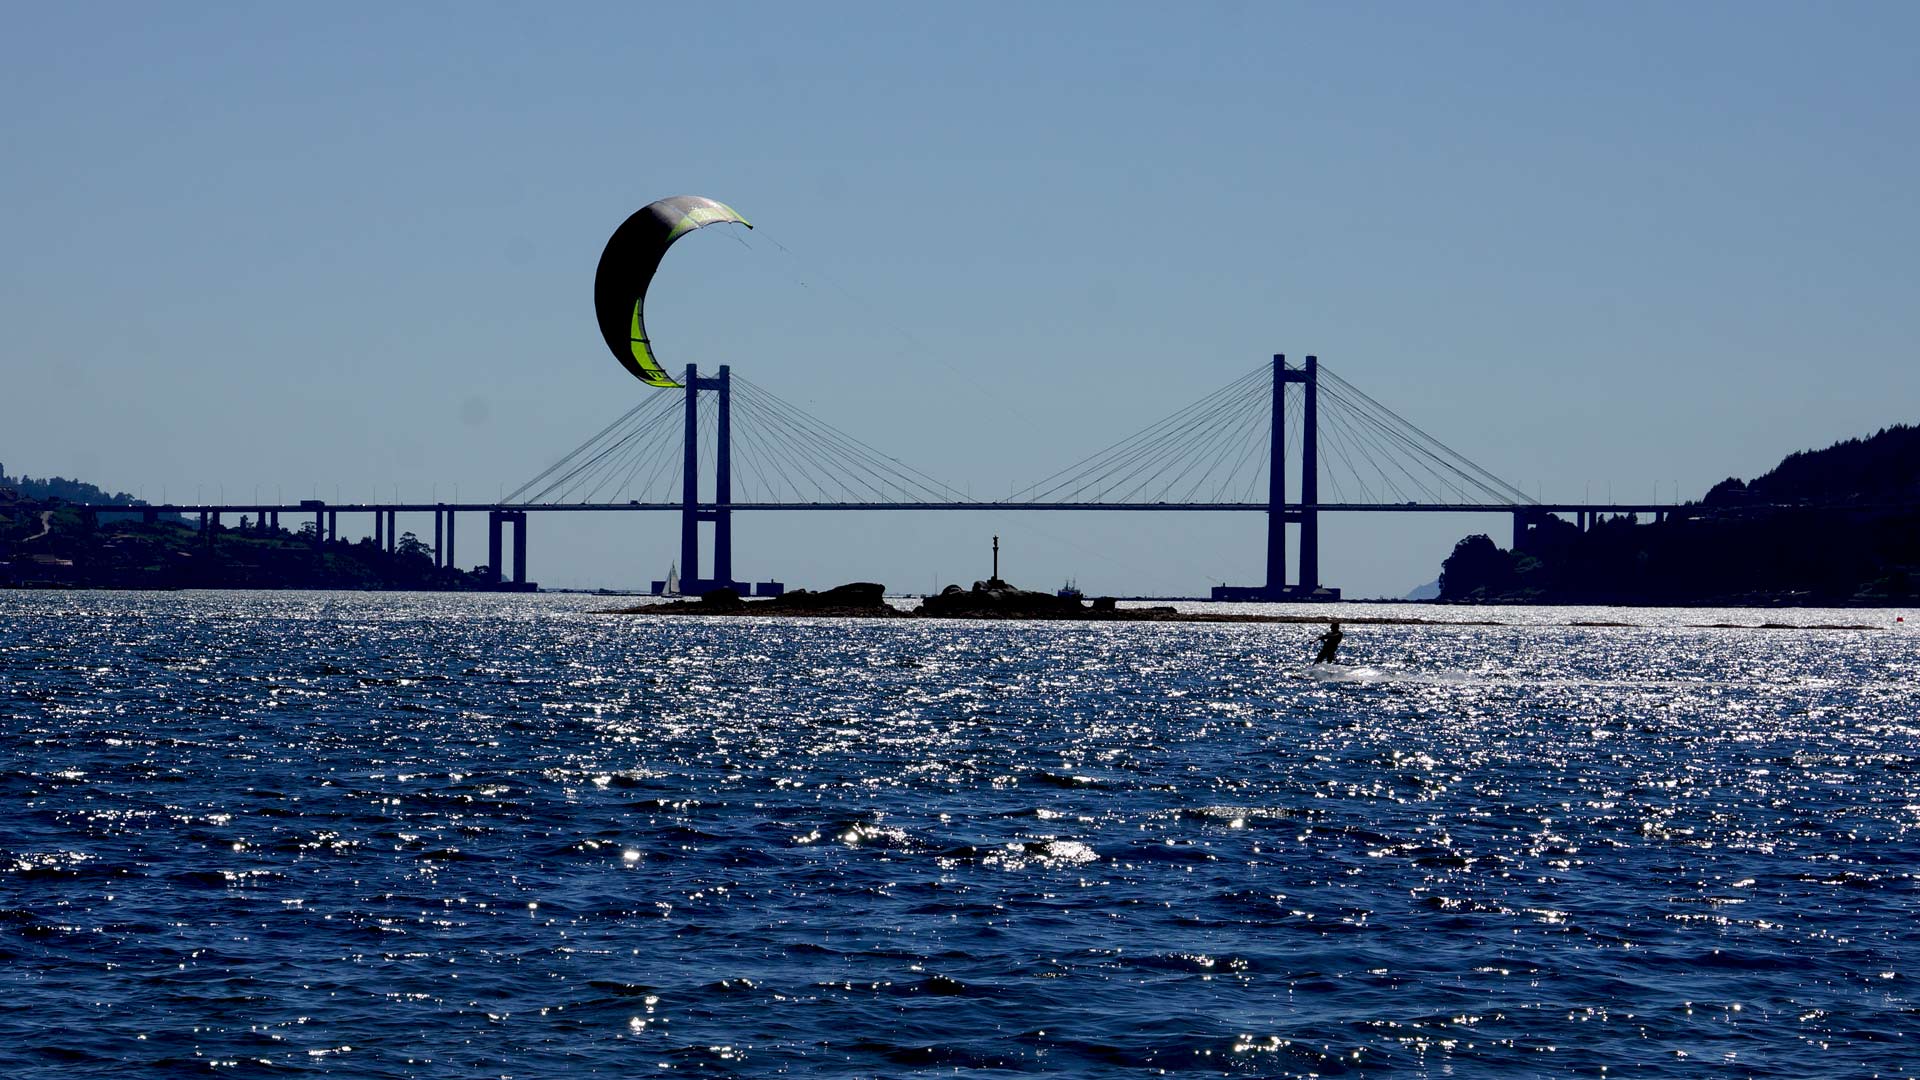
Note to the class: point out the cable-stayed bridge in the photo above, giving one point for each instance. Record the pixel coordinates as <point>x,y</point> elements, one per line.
<point>1227,451</point>
<point>1290,441</point>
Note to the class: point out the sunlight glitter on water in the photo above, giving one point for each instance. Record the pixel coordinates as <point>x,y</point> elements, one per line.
<point>475,835</point>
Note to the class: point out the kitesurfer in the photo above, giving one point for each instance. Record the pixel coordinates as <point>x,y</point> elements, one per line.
<point>1329,643</point>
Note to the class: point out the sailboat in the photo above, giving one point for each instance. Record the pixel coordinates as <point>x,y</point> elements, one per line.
<point>671,586</point>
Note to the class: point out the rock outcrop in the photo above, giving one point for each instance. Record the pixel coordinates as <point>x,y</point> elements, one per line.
<point>859,599</point>
<point>995,599</point>
<point>866,598</point>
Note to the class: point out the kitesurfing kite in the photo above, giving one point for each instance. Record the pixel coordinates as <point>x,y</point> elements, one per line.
<point>626,267</point>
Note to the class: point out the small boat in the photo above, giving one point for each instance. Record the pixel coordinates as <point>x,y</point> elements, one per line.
<point>671,586</point>
<point>1069,591</point>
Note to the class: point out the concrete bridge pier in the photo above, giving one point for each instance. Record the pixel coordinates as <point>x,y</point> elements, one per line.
<point>497,520</point>
<point>493,547</point>
<point>519,549</point>
<point>1523,522</point>
<point>439,536</point>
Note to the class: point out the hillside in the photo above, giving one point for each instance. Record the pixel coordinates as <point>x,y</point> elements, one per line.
<point>61,489</point>
<point>1746,542</point>
<point>1883,468</point>
<point>45,543</point>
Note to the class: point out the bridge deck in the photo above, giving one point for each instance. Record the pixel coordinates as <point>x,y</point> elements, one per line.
<point>1163,507</point>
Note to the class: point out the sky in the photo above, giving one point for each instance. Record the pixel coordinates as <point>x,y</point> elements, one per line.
<point>348,250</point>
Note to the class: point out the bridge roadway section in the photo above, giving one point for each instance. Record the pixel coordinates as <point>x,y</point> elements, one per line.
<point>502,516</point>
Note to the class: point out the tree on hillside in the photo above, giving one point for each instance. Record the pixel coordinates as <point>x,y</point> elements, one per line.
<point>1477,564</point>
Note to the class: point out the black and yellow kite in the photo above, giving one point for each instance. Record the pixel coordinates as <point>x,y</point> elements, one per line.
<point>626,268</point>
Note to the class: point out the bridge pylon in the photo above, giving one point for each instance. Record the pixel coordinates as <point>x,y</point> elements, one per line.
<point>1280,513</point>
<point>721,512</point>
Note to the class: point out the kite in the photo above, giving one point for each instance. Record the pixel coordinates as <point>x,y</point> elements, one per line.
<point>626,268</point>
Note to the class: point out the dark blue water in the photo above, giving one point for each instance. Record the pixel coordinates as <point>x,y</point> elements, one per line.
<point>380,836</point>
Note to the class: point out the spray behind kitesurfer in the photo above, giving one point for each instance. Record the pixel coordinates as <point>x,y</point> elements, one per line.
<point>1329,643</point>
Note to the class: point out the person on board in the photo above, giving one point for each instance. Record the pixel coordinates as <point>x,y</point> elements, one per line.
<point>1329,643</point>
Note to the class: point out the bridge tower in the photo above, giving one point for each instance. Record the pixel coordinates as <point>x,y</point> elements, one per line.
<point>1280,514</point>
<point>720,511</point>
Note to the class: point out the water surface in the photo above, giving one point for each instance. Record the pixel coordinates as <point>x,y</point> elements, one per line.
<point>446,836</point>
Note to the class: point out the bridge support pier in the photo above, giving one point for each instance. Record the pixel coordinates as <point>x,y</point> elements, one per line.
<point>520,549</point>
<point>1306,512</point>
<point>439,536</point>
<point>496,521</point>
<point>493,547</point>
<point>1524,522</point>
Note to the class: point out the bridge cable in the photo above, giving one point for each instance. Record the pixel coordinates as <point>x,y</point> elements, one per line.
<point>1155,439</point>
<point>1490,482</point>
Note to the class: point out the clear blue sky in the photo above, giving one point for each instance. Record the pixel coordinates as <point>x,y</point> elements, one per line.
<point>1601,247</point>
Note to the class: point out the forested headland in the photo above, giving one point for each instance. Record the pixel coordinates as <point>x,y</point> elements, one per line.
<point>1824,527</point>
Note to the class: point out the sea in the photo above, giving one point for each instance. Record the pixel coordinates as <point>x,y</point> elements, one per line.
<point>411,835</point>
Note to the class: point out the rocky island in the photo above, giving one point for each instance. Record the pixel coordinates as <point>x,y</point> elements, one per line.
<point>990,599</point>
